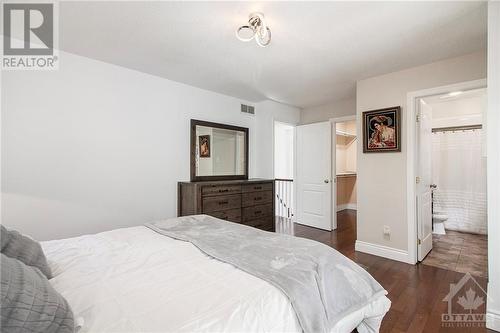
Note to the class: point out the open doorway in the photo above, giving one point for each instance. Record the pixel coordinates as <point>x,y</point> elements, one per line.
<point>451,182</point>
<point>325,178</point>
<point>344,201</point>
<point>284,147</point>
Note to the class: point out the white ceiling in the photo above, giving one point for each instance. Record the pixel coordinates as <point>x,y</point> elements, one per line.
<point>318,51</point>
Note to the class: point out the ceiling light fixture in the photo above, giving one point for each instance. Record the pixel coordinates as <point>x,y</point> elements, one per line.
<point>257,29</point>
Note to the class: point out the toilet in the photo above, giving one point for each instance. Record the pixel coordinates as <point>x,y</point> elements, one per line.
<point>438,219</point>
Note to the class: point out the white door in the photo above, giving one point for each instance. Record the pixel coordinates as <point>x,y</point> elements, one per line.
<point>313,174</point>
<point>334,176</point>
<point>424,180</point>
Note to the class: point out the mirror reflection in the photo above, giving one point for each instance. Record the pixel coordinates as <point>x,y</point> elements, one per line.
<point>219,152</point>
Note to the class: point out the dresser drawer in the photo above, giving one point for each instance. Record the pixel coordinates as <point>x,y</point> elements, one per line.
<point>256,198</point>
<point>264,223</point>
<point>220,189</point>
<point>221,202</point>
<point>233,215</point>
<point>256,187</point>
<point>255,212</point>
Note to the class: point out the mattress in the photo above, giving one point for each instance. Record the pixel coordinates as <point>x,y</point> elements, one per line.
<point>135,280</point>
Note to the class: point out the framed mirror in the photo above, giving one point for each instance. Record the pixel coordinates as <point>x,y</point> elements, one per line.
<point>218,151</point>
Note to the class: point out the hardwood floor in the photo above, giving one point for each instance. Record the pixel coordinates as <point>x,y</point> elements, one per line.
<point>416,291</point>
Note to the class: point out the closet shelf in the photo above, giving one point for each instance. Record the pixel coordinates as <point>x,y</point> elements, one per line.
<point>349,137</point>
<point>346,174</point>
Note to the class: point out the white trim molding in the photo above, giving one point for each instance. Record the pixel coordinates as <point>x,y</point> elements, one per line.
<point>383,251</point>
<point>493,165</point>
<point>411,152</point>
<point>493,320</point>
<point>343,119</point>
<point>352,206</point>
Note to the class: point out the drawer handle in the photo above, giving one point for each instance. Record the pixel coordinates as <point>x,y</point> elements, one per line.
<point>225,202</point>
<point>257,198</point>
<point>225,190</point>
<point>257,212</point>
<point>257,188</point>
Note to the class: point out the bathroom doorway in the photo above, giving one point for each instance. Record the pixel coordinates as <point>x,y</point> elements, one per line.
<point>451,181</point>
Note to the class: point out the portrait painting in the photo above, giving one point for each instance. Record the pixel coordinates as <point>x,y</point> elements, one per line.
<point>204,142</point>
<point>382,130</point>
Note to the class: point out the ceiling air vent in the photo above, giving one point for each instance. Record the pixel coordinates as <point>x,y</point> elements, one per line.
<point>247,109</point>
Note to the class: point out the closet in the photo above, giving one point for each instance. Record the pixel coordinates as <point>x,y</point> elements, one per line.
<point>345,164</point>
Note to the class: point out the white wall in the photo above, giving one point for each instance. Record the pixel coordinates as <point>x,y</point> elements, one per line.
<point>459,112</point>
<point>94,146</point>
<point>225,151</point>
<point>493,140</point>
<point>269,112</point>
<point>336,109</point>
<point>346,148</point>
<point>382,176</point>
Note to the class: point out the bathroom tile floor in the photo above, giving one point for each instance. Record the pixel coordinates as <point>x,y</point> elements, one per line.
<point>460,252</point>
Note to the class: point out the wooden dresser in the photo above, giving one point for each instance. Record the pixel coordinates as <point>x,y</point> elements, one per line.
<point>249,202</point>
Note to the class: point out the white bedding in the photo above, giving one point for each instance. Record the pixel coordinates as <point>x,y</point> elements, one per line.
<point>135,280</point>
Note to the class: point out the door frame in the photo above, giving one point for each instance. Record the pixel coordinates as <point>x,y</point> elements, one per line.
<point>411,154</point>
<point>424,186</point>
<point>334,122</point>
<point>294,160</point>
<point>294,125</point>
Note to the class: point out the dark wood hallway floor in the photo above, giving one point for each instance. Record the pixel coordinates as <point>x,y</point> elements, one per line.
<point>416,291</point>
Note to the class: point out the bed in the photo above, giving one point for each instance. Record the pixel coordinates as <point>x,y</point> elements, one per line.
<point>137,280</point>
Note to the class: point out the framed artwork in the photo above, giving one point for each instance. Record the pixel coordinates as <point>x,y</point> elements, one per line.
<point>204,143</point>
<point>382,130</point>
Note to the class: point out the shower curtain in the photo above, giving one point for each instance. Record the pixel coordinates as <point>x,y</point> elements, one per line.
<point>459,171</point>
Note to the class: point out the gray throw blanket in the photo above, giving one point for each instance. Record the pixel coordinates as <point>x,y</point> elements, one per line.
<point>322,284</point>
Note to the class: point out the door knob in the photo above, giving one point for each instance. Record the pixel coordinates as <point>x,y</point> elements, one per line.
<point>326,181</point>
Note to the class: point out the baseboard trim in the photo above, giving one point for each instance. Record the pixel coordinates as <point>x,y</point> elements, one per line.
<point>352,206</point>
<point>493,320</point>
<point>383,251</point>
